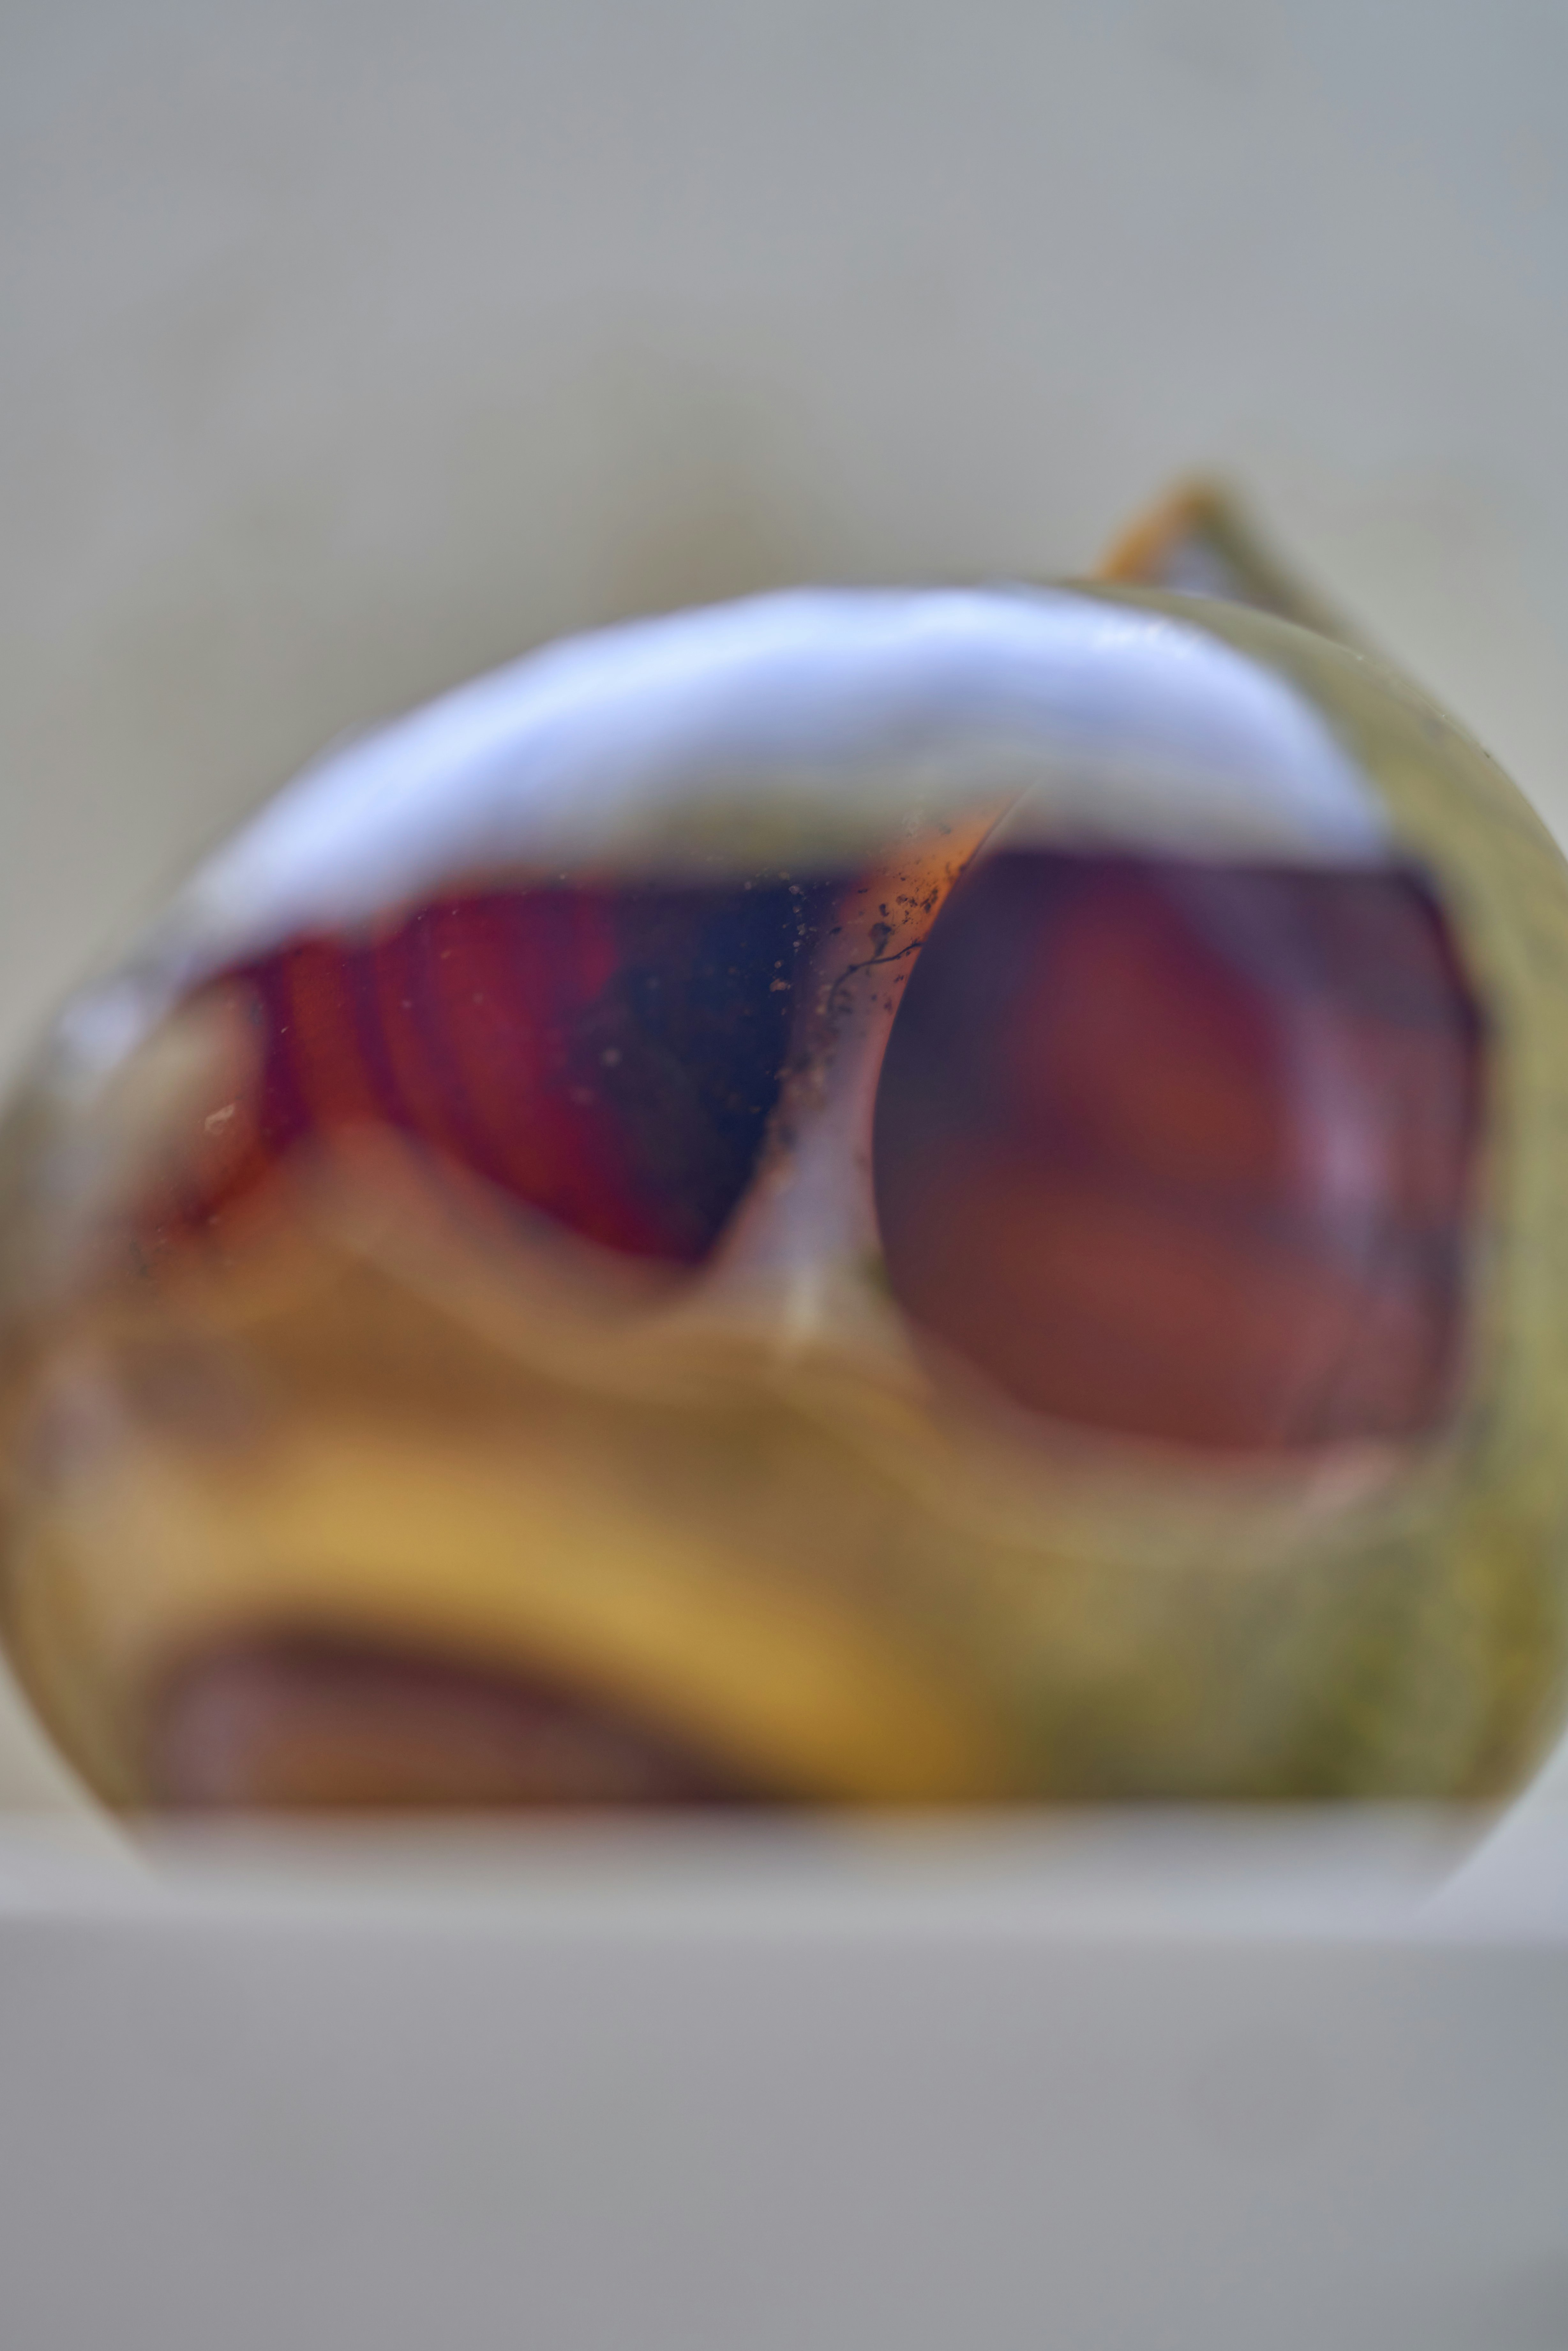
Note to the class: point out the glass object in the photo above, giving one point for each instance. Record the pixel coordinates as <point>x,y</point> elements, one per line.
<point>854,1198</point>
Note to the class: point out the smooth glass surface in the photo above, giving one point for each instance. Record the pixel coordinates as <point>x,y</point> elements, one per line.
<point>877,1199</point>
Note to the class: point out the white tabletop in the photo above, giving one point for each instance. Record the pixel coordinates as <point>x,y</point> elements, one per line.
<point>1135,2082</point>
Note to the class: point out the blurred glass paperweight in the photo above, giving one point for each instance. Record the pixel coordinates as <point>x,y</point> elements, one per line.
<point>860,1197</point>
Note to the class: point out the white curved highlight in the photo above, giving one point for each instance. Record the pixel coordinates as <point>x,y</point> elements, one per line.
<point>839,715</point>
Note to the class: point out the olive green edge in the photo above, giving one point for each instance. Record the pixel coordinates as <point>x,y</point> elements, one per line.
<point>1452,1663</point>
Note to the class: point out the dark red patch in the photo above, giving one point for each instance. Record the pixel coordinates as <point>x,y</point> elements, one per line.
<point>607,1056</point>
<point>286,1722</point>
<point>1189,1151</point>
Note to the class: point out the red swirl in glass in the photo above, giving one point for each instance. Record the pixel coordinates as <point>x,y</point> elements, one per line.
<point>1189,1151</point>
